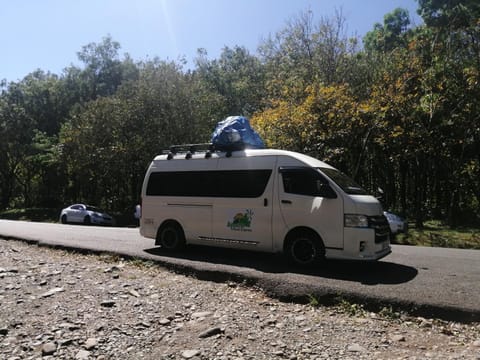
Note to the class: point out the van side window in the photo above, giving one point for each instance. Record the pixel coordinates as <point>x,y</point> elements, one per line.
<point>241,183</point>
<point>301,181</point>
<point>227,183</point>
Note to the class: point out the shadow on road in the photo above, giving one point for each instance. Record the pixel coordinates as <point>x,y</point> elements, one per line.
<point>367,273</point>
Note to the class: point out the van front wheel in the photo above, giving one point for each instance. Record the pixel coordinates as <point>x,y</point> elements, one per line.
<point>171,237</point>
<point>305,248</point>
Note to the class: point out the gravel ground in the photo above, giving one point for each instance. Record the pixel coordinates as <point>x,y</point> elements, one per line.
<point>61,305</point>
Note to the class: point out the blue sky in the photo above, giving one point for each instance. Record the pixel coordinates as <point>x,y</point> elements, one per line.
<point>47,34</point>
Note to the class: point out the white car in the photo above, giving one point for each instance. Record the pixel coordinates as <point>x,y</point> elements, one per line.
<point>396,223</point>
<point>85,214</point>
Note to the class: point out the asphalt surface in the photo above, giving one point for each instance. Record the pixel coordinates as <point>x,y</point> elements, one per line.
<point>429,282</point>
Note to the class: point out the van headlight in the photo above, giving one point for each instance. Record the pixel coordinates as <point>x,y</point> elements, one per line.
<point>354,220</point>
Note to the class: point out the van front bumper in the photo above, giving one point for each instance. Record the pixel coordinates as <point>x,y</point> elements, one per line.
<point>378,255</point>
<point>364,244</point>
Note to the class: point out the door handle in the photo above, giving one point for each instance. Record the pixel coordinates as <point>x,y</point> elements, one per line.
<point>286,202</point>
<point>265,202</point>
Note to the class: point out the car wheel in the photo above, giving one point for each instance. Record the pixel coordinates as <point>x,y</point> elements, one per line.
<point>64,219</point>
<point>305,248</point>
<point>87,220</point>
<point>171,237</point>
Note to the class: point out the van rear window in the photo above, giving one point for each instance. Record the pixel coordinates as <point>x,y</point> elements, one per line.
<point>226,183</point>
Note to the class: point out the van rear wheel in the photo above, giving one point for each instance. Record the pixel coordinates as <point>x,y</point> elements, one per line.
<point>305,248</point>
<point>171,237</point>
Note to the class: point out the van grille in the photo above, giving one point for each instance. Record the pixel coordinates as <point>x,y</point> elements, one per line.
<point>381,227</point>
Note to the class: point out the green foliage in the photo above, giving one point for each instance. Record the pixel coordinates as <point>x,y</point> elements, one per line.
<point>450,14</point>
<point>237,78</point>
<point>306,53</point>
<point>402,114</point>
<point>32,214</point>
<point>313,301</point>
<point>391,34</point>
<point>144,117</point>
<point>142,264</point>
<point>437,234</point>
<point>351,309</point>
<point>387,312</point>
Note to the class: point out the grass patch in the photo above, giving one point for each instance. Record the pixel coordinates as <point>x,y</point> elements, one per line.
<point>388,313</point>
<point>313,301</point>
<point>436,234</point>
<point>31,214</point>
<point>351,309</point>
<point>142,264</point>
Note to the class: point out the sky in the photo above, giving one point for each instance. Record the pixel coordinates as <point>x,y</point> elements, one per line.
<point>48,34</point>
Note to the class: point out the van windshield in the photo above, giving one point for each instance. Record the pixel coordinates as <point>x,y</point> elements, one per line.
<point>345,182</point>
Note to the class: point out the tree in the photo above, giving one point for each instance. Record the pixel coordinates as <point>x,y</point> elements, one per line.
<point>107,145</point>
<point>450,14</point>
<point>304,53</point>
<point>391,34</point>
<point>16,129</point>
<point>28,107</point>
<point>104,72</point>
<point>330,124</point>
<point>236,76</point>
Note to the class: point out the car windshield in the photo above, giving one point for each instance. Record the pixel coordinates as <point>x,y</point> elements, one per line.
<point>93,208</point>
<point>345,182</point>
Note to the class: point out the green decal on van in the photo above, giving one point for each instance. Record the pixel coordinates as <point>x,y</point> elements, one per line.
<point>241,222</point>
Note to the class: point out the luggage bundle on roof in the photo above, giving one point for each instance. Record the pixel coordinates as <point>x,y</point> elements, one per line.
<point>232,134</point>
<point>235,133</point>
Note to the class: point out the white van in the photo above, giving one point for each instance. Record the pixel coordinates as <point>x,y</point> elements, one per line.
<point>264,200</point>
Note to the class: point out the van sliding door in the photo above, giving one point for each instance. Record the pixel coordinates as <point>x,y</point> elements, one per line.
<point>242,215</point>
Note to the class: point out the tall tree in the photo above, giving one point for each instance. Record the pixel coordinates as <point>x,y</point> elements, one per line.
<point>451,59</point>
<point>31,106</point>
<point>305,52</point>
<point>237,76</point>
<point>450,14</point>
<point>104,72</point>
<point>391,34</point>
<point>108,144</point>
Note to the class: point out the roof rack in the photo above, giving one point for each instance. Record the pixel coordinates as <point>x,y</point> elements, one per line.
<point>192,148</point>
<point>189,150</point>
<point>207,148</point>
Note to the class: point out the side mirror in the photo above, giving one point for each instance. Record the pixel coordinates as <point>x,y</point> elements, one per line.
<point>327,192</point>
<point>380,194</point>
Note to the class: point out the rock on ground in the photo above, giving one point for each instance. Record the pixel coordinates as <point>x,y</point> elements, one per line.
<point>57,304</point>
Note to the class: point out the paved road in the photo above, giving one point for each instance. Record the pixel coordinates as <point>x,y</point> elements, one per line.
<point>431,282</point>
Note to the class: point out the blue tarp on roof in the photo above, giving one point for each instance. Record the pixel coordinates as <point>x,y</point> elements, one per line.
<point>235,133</point>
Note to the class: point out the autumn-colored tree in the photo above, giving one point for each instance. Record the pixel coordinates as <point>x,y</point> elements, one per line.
<point>330,123</point>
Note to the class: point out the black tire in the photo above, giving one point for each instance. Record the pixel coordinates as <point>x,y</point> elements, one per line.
<point>305,248</point>
<point>87,220</point>
<point>64,219</point>
<point>171,237</point>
